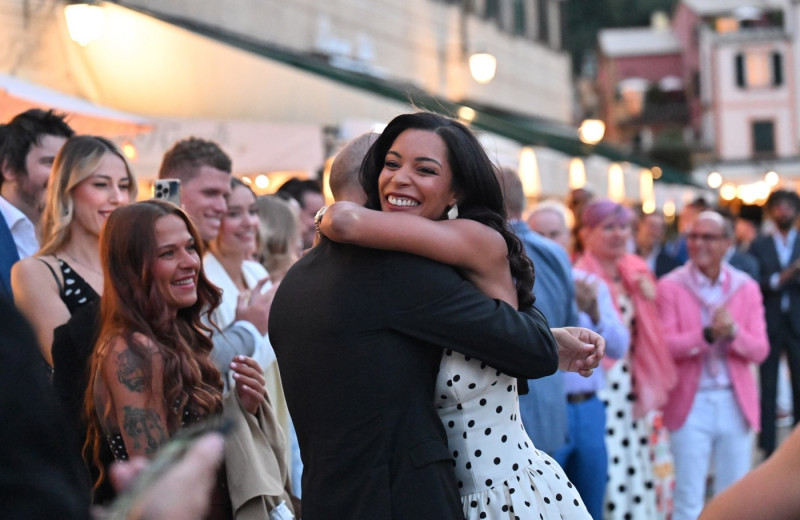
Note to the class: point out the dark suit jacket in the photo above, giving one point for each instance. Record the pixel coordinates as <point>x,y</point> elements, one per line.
<point>745,262</point>
<point>8,256</point>
<point>359,334</point>
<point>763,249</point>
<point>665,263</point>
<point>41,476</point>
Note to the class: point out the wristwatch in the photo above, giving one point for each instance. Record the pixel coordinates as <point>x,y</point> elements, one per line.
<point>318,219</point>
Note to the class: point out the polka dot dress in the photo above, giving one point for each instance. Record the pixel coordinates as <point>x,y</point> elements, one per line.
<point>500,474</point>
<point>76,291</point>
<point>630,493</point>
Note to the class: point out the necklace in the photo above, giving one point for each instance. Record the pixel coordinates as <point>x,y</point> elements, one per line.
<point>87,266</point>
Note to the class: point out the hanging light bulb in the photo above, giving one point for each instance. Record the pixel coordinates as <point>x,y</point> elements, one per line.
<point>529,172</point>
<point>84,22</point>
<point>616,183</point>
<point>577,173</point>
<point>646,192</point>
<point>482,66</point>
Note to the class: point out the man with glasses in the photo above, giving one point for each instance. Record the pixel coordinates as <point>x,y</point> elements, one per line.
<point>778,256</point>
<point>714,328</point>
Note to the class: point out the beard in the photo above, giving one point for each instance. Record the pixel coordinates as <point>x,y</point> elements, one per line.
<point>785,224</point>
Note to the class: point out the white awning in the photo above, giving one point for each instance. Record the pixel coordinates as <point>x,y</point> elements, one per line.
<point>18,95</point>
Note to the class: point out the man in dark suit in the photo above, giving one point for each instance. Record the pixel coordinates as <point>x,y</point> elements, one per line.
<point>778,256</point>
<point>650,229</point>
<point>359,335</point>
<point>28,145</point>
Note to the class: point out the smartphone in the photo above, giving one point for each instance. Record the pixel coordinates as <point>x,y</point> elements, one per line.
<point>167,456</point>
<point>168,189</point>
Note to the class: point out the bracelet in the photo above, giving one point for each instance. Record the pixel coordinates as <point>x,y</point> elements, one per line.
<point>318,219</point>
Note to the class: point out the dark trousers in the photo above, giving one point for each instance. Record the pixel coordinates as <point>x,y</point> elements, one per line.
<point>784,341</point>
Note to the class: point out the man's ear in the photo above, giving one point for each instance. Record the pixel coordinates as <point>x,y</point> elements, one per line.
<point>5,170</point>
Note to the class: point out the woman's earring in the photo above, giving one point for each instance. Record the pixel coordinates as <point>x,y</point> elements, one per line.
<point>452,212</point>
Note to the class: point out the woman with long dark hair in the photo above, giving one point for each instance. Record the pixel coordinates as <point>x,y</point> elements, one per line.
<point>151,373</point>
<point>432,191</point>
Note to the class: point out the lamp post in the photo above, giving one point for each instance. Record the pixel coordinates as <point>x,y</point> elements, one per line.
<point>84,21</point>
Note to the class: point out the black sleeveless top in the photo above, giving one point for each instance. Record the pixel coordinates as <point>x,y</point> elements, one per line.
<point>75,292</point>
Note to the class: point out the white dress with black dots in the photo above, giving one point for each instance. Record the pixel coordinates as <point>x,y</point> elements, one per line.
<point>500,474</point>
<point>630,493</point>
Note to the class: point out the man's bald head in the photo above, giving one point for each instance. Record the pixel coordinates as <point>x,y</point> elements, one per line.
<point>344,176</point>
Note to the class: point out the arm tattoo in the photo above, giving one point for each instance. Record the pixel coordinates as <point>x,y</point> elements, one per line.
<point>131,372</point>
<point>143,426</point>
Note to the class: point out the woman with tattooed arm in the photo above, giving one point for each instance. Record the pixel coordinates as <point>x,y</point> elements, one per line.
<point>151,373</point>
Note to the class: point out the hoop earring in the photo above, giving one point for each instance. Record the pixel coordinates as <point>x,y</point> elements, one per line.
<point>452,212</point>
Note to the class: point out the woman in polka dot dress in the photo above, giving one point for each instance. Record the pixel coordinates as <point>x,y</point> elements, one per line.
<point>425,165</point>
<point>151,373</point>
<point>639,466</point>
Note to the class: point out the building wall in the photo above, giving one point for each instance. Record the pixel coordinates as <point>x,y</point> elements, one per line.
<point>652,68</point>
<point>423,42</point>
<point>735,108</point>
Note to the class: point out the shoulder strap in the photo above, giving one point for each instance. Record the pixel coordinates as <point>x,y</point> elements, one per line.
<point>55,276</point>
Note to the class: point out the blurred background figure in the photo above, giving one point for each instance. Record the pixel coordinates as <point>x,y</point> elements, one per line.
<point>307,193</point>
<point>649,241</point>
<point>778,256</point>
<point>28,146</point>
<point>543,409</point>
<point>585,455</point>
<point>741,260</point>
<point>715,331</point>
<point>227,264</point>
<point>747,225</point>
<point>638,384</point>
<point>280,244</point>
<point>677,248</point>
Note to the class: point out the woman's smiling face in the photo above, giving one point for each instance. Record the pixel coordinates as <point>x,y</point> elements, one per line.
<point>416,176</point>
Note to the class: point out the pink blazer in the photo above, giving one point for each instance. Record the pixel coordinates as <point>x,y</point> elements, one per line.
<point>683,332</point>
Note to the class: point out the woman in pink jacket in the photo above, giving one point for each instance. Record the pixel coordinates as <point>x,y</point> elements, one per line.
<point>715,330</point>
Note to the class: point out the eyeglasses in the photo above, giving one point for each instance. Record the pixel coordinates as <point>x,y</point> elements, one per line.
<point>704,237</point>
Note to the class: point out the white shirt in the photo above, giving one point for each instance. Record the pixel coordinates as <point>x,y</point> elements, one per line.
<point>712,294</point>
<point>22,229</point>
<point>784,250</point>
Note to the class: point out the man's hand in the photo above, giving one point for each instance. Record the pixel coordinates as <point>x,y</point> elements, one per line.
<point>254,306</point>
<point>722,324</point>
<point>579,350</point>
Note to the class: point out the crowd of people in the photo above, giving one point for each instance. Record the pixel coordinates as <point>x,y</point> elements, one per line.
<point>426,346</point>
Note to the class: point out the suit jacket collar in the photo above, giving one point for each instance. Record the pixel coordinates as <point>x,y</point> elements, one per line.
<point>8,256</point>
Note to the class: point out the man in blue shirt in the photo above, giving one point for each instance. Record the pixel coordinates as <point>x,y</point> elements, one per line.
<point>543,409</point>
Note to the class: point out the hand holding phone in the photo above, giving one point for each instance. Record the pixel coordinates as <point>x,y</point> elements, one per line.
<point>168,189</point>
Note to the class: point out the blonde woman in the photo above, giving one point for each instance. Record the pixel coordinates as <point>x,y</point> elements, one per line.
<point>90,178</point>
<point>280,243</point>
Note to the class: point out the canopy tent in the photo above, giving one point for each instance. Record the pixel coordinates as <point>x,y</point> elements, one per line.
<point>18,95</point>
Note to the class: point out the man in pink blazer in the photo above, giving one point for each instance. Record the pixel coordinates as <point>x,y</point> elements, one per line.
<point>714,327</point>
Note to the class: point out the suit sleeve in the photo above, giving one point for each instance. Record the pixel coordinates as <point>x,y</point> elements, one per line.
<point>431,303</point>
<point>682,343</point>
<point>233,341</point>
<point>751,342</point>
